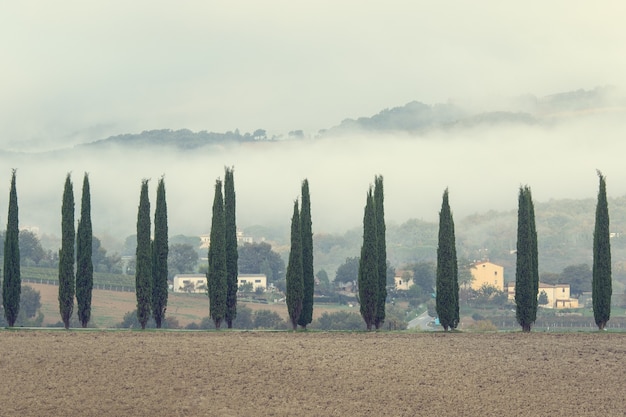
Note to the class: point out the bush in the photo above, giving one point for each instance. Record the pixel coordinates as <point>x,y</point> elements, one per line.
<point>340,320</point>
<point>130,321</point>
<point>483,326</point>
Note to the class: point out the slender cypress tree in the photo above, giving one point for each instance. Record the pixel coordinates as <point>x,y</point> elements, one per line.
<point>143,271</point>
<point>159,257</point>
<point>232,254</point>
<point>601,281</point>
<point>84,263</point>
<point>216,274</point>
<point>535,251</point>
<point>526,273</point>
<point>12,283</point>
<point>295,282</point>
<point>368,265</point>
<point>447,298</point>
<point>308,276</point>
<point>379,208</point>
<point>66,254</point>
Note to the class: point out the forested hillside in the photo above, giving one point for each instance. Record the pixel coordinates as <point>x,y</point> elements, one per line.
<point>564,229</point>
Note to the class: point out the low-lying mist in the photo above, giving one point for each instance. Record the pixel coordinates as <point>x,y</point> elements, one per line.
<point>483,168</point>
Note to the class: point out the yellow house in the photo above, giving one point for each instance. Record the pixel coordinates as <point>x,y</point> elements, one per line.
<point>196,283</point>
<point>403,280</point>
<point>487,273</point>
<point>558,295</point>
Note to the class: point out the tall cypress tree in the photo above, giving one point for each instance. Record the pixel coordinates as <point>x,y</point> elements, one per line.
<point>216,274</point>
<point>232,254</point>
<point>66,254</point>
<point>159,256</point>
<point>143,270</point>
<point>447,298</point>
<point>295,282</point>
<point>84,263</point>
<point>379,208</point>
<point>12,282</point>
<point>308,276</point>
<point>601,281</point>
<point>368,265</point>
<point>526,273</point>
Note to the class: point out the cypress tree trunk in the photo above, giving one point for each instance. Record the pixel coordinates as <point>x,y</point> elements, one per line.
<point>159,257</point>
<point>308,276</point>
<point>295,282</point>
<point>379,209</point>
<point>526,273</point>
<point>12,282</point>
<point>601,281</point>
<point>66,254</point>
<point>232,255</point>
<point>216,274</point>
<point>143,271</point>
<point>447,298</point>
<point>368,265</point>
<point>84,264</point>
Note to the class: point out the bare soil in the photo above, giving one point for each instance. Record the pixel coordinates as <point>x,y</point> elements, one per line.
<point>232,373</point>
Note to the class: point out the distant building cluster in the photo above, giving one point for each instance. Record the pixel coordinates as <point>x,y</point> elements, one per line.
<point>487,273</point>
<point>205,240</point>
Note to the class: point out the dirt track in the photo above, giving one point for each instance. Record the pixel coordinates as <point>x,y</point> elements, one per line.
<point>100,373</point>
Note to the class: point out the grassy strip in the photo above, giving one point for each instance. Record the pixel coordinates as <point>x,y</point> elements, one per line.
<point>99,278</point>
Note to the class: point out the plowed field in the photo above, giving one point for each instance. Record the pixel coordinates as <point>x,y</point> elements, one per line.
<point>133,373</point>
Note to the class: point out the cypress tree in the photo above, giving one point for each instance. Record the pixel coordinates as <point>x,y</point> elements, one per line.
<point>216,274</point>
<point>447,298</point>
<point>12,283</point>
<point>526,273</point>
<point>232,255</point>
<point>143,270</point>
<point>381,244</point>
<point>601,281</point>
<point>159,257</point>
<point>308,276</point>
<point>66,254</point>
<point>368,265</point>
<point>84,263</point>
<point>295,282</point>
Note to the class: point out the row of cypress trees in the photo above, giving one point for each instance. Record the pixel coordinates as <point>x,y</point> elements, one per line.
<point>70,284</point>
<point>222,272</point>
<point>372,276</point>
<point>75,247</point>
<point>527,265</point>
<point>151,287</point>
<point>300,279</point>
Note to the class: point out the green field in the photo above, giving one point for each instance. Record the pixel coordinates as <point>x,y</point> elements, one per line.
<point>101,280</point>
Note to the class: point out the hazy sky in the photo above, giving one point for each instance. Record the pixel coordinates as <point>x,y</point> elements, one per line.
<point>75,71</point>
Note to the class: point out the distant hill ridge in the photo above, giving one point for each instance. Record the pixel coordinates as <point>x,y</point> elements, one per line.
<point>413,117</point>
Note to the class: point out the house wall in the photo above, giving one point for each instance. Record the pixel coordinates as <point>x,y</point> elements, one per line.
<point>487,273</point>
<point>196,283</point>
<point>403,283</point>
<point>558,295</point>
<point>257,280</point>
<point>192,283</point>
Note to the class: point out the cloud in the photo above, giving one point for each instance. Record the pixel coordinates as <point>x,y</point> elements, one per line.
<point>483,168</point>
<point>75,72</point>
